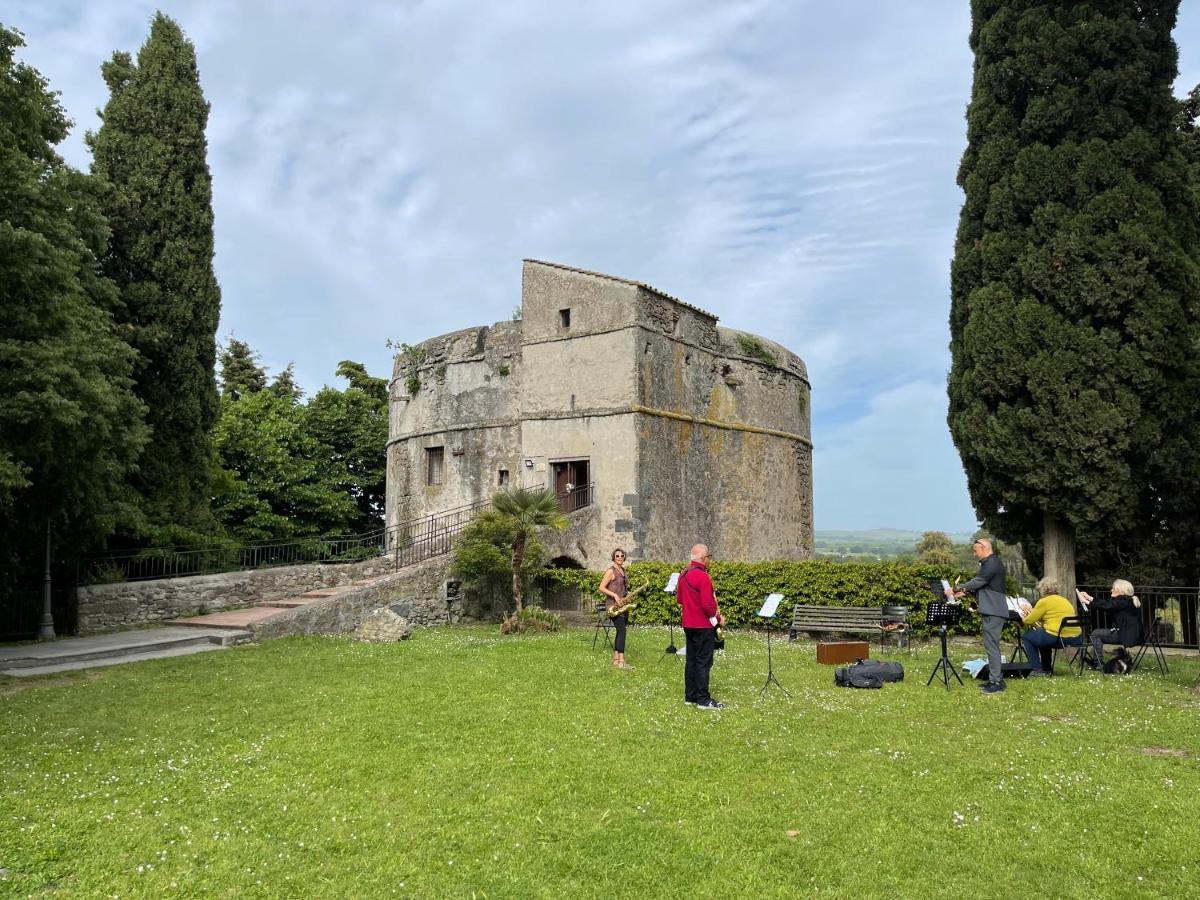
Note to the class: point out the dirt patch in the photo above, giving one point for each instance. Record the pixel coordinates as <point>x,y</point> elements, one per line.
<point>1165,751</point>
<point>12,685</point>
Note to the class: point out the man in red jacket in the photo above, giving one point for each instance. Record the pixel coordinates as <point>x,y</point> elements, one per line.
<point>700,620</point>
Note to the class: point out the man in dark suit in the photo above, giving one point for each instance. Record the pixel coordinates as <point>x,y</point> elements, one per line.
<point>988,588</point>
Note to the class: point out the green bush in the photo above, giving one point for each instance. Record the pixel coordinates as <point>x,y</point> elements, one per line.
<point>531,619</point>
<point>741,588</point>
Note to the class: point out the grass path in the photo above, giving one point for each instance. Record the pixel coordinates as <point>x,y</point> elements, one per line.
<point>462,763</point>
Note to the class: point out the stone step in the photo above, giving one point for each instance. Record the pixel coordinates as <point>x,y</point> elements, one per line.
<point>234,619</point>
<point>290,602</point>
<point>329,591</point>
<point>51,668</point>
<point>91,650</point>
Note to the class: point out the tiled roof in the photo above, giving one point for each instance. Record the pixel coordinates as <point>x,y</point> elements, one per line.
<point>641,284</point>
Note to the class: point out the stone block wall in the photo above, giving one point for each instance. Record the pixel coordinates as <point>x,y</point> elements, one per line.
<point>103,607</point>
<point>418,592</point>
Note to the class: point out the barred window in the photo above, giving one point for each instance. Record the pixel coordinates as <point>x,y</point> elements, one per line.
<point>435,464</point>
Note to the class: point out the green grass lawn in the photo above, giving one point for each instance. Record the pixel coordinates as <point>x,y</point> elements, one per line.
<point>462,763</point>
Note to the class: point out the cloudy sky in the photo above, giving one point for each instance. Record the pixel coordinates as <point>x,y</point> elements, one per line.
<point>380,169</point>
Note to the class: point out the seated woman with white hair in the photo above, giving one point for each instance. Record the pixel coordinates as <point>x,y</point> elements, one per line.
<point>1127,627</point>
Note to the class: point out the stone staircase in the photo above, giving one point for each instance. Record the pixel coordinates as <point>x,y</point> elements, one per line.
<point>177,637</point>
<point>239,619</point>
<point>69,654</point>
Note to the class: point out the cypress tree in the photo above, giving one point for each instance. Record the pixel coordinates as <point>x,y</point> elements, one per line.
<point>240,372</point>
<point>1075,277</point>
<point>152,150</point>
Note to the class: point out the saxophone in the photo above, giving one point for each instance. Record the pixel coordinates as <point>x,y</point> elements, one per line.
<point>614,608</point>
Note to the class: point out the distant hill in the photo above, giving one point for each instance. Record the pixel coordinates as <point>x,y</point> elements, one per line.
<point>874,543</point>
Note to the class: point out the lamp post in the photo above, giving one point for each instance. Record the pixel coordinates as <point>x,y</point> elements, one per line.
<point>46,626</point>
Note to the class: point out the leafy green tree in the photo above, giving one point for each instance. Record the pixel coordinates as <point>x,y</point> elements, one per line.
<point>70,427</point>
<point>356,373</point>
<point>525,512</point>
<point>151,150</point>
<point>1074,305</point>
<point>284,385</point>
<point>240,372</point>
<point>352,426</point>
<point>483,555</point>
<point>274,480</point>
<point>936,548</point>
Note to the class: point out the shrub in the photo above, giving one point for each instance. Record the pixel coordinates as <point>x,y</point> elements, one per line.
<point>741,588</point>
<point>531,619</point>
<point>756,349</point>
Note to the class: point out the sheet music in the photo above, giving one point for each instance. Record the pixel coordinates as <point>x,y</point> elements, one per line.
<point>770,605</point>
<point>672,583</point>
<point>1019,605</point>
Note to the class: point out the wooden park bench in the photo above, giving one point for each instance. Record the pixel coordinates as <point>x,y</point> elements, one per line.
<point>836,618</point>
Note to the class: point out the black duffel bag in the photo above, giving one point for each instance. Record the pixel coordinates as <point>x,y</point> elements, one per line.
<point>868,673</point>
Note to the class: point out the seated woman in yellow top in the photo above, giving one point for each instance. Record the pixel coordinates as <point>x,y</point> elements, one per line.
<point>1049,611</point>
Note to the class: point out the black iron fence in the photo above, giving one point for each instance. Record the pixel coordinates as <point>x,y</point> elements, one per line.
<point>1174,606</point>
<point>407,543</point>
<point>429,536</point>
<point>212,559</point>
<point>21,612</point>
<point>576,497</point>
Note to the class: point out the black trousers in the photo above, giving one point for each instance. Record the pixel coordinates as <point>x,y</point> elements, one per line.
<point>619,622</point>
<point>698,664</point>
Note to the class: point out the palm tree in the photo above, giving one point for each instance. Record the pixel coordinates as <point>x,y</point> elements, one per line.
<point>525,511</point>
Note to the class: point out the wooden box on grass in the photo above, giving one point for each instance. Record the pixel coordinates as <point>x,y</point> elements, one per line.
<point>838,652</point>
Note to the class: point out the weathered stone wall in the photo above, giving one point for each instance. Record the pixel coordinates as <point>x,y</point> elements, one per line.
<point>687,434</point>
<point>467,403</point>
<point>747,495</point>
<point>106,606</point>
<point>419,590</point>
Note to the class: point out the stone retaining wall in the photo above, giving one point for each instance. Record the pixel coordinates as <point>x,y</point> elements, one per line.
<point>107,606</point>
<point>418,592</point>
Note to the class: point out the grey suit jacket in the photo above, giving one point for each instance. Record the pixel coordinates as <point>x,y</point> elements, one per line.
<point>988,587</point>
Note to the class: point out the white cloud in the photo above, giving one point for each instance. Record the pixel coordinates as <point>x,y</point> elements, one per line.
<point>381,168</point>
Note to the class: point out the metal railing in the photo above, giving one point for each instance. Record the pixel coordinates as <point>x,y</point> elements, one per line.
<point>212,559</point>
<point>576,497</point>
<point>408,542</point>
<point>1176,606</point>
<point>429,536</point>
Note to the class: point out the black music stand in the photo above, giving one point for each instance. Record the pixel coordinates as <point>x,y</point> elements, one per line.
<point>670,588</point>
<point>943,615</point>
<point>671,649</point>
<point>767,613</point>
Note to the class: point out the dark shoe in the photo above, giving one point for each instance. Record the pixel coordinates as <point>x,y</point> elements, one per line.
<point>1038,673</point>
<point>994,687</point>
<point>711,704</point>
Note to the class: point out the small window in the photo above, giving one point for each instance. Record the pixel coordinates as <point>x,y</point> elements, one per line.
<point>564,318</point>
<point>435,464</point>
<point>502,478</point>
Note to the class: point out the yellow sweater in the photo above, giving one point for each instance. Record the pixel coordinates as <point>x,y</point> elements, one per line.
<point>1050,611</point>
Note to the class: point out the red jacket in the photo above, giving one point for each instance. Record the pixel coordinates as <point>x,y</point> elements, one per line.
<point>695,595</point>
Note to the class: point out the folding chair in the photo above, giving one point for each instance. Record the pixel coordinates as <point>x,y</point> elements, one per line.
<point>603,623</point>
<point>1080,622</point>
<point>1151,641</point>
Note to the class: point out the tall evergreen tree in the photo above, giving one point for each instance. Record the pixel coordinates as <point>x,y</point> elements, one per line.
<point>70,426</point>
<point>1075,278</point>
<point>152,150</point>
<point>240,372</point>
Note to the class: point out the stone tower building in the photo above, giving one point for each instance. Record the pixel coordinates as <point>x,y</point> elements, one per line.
<point>656,427</point>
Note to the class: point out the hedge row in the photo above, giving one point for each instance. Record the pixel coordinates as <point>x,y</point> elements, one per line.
<point>741,588</point>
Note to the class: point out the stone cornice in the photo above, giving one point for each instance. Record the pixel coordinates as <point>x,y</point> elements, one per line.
<point>632,409</point>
